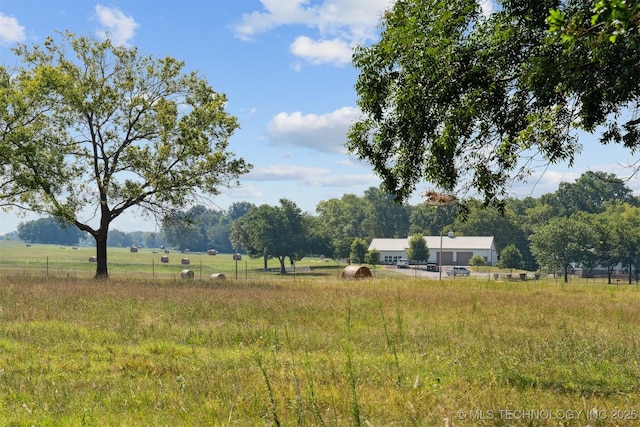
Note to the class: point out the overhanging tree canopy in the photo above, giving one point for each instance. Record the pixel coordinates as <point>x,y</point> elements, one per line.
<point>468,101</point>
<point>123,131</point>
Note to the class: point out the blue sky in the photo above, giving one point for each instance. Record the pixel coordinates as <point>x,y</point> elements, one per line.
<point>285,68</point>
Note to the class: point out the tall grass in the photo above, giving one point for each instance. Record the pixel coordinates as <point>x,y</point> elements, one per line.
<point>314,352</point>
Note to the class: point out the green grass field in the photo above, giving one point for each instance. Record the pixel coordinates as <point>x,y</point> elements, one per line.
<point>68,262</point>
<point>389,351</point>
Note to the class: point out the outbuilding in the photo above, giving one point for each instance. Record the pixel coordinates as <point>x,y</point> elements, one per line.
<point>454,250</point>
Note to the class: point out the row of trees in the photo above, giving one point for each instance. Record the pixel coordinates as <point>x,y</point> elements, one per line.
<point>593,223</point>
<point>49,231</point>
<point>584,223</point>
<point>591,241</point>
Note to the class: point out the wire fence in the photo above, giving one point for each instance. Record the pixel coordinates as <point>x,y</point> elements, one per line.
<point>80,263</point>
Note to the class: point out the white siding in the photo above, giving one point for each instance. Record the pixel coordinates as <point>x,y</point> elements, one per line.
<point>392,249</point>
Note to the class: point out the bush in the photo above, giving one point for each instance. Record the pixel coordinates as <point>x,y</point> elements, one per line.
<point>478,260</point>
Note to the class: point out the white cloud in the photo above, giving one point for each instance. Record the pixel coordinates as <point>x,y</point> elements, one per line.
<point>245,191</point>
<point>117,26</point>
<point>311,176</point>
<point>336,25</point>
<point>334,51</point>
<point>10,30</point>
<point>277,13</point>
<point>325,133</point>
<point>346,162</point>
<point>285,173</point>
<point>487,7</point>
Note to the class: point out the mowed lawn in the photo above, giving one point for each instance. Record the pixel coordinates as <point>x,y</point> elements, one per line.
<point>316,351</point>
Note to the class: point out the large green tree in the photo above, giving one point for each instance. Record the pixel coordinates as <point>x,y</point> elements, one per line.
<point>199,228</point>
<point>272,232</point>
<point>431,220</point>
<point>590,193</point>
<point>623,230</point>
<point>359,249</point>
<point>341,221</point>
<point>124,131</point>
<point>510,257</point>
<point>466,101</point>
<point>563,243</point>
<point>417,250</point>
<point>383,216</point>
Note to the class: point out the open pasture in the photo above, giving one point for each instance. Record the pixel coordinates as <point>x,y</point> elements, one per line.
<point>66,261</point>
<point>316,351</point>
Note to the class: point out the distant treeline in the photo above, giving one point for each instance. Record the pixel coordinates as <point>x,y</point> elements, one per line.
<point>338,222</point>
<point>52,231</point>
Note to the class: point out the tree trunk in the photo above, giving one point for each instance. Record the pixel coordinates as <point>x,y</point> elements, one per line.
<point>265,261</point>
<point>101,254</point>
<point>283,269</point>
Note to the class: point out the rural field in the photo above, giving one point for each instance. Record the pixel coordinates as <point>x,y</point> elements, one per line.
<point>147,348</point>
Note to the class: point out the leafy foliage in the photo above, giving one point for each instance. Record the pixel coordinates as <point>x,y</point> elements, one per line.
<point>478,260</point>
<point>597,63</point>
<point>199,229</point>
<point>118,131</point>
<point>358,251</point>
<point>510,257</point>
<point>466,101</point>
<point>563,242</point>
<point>49,230</point>
<point>273,231</point>
<point>448,97</point>
<point>417,250</point>
<point>372,257</point>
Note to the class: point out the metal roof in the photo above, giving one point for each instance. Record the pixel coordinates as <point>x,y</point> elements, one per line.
<point>433,242</point>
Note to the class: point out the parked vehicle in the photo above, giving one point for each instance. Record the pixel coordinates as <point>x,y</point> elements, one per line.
<point>458,271</point>
<point>402,263</point>
<point>432,266</point>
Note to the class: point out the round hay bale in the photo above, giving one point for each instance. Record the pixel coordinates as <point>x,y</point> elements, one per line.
<point>218,276</point>
<point>356,272</point>
<point>164,259</point>
<point>237,257</point>
<point>93,259</point>
<point>185,261</point>
<point>133,249</point>
<point>28,245</point>
<point>212,252</point>
<point>186,274</point>
<point>166,251</point>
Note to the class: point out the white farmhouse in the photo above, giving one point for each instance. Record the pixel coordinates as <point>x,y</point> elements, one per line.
<point>454,250</point>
